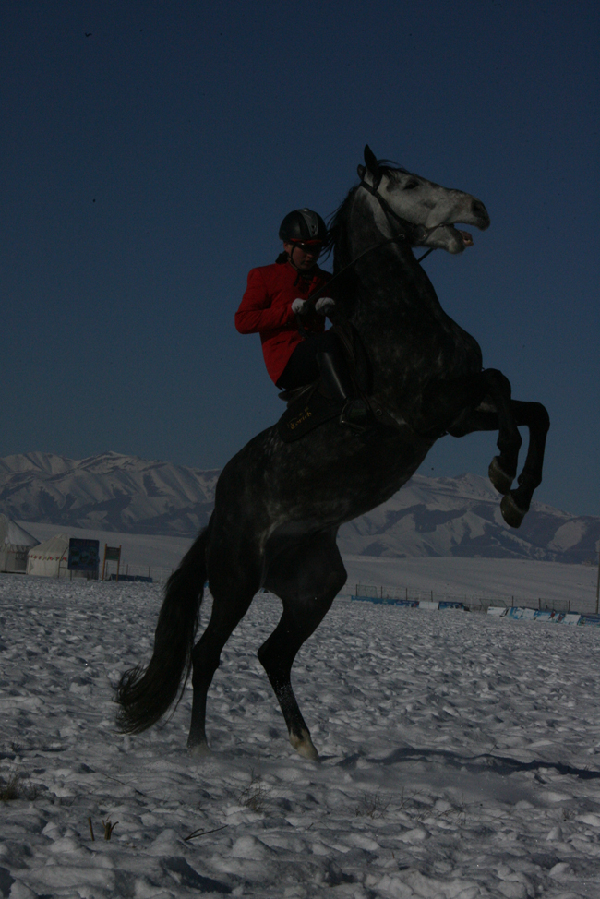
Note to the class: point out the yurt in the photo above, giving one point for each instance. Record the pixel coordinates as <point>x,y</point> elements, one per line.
<point>15,544</point>
<point>50,559</point>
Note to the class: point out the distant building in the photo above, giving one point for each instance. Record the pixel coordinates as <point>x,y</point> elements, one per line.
<point>15,544</point>
<point>51,559</point>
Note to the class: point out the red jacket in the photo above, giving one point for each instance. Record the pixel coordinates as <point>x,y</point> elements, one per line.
<point>267,309</point>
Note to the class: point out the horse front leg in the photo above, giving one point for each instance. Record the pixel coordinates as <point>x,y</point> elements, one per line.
<point>491,411</point>
<point>516,503</point>
<point>457,405</point>
<point>503,467</point>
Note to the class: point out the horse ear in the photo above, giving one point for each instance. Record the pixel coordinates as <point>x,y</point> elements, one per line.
<point>371,160</point>
<point>361,172</point>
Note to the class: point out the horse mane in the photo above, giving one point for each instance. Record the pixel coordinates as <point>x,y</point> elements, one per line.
<point>337,239</point>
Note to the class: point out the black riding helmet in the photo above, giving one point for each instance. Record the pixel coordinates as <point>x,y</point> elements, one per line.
<point>303,225</point>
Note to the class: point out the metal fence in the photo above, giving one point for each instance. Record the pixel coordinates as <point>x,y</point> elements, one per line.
<point>137,573</point>
<point>476,603</point>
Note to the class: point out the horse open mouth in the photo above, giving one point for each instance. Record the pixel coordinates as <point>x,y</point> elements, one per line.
<point>447,237</point>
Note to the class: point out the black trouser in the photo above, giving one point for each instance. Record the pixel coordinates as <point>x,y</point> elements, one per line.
<point>304,365</point>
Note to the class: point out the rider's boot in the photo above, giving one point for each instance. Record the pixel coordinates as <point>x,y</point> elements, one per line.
<point>338,384</point>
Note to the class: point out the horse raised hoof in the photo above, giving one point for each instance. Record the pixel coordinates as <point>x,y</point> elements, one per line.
<point>304,746</point>
<point>511,513</point>
<point>499,478</point>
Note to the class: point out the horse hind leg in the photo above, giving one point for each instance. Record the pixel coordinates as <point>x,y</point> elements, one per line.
<point>206,657</point>
<point>232,595</point>
<point>307,575</point>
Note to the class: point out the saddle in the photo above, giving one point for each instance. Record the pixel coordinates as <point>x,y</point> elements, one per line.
<point>310,406</point>
<point>307,408</point>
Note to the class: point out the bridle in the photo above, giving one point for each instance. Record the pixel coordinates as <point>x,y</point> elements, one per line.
<point>391,214</point>
<point>373,189</point>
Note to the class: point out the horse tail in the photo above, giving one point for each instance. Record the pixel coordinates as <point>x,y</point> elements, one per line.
<point>145,695</point>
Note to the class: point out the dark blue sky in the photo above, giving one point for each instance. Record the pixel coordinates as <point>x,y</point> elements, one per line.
<point>146,167</point>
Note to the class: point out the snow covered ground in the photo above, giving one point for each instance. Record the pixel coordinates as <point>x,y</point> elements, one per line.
<point>460,757</point>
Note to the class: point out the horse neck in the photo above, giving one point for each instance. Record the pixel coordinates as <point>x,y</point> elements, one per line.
<point>387,280</point>
<point>394,307</point>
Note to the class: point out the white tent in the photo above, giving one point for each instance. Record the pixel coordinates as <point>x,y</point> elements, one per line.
<point>50,559</point>
<point>15,544</point>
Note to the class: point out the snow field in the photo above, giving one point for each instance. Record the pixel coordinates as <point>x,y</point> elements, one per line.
<point>460,757</point>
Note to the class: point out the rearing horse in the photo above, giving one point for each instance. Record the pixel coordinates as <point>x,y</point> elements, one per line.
<point>278,506</point>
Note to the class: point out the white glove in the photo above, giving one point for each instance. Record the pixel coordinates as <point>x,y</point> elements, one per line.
<point>324,305</point>
<point>300,307</point>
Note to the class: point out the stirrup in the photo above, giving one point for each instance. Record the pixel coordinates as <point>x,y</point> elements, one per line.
<point>356,414</point>
<point>294,393</point>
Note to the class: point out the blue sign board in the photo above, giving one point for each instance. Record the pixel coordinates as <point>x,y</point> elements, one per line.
<point>84,555</point>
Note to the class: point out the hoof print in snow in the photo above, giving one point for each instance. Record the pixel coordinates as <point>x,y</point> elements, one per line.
<point>185,875</point>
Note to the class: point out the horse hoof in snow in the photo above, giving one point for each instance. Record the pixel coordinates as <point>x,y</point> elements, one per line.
<point>199,751</point>
<point>305,747</point>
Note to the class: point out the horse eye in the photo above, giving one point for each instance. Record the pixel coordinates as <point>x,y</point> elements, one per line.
<point>411,184</point>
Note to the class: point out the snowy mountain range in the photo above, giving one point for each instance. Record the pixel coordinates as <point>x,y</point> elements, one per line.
<point>109,492</point>
<point>429,517</point>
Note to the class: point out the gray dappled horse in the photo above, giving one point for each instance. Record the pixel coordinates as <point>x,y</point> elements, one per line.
<point>278,506</point>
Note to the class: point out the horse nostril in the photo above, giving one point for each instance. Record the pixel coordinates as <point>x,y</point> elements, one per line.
<point>479,207</point>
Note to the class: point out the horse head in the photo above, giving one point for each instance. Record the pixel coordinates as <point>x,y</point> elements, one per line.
<point>410,199</point>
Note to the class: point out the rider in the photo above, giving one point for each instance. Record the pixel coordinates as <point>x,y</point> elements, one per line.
<point>277,304</point>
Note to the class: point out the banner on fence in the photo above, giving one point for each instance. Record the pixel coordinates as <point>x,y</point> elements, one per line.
<point>554,610</point>
<point>589,621</point>
<point>386,601</point>
<point>517,612</point>
<point>549,615</point>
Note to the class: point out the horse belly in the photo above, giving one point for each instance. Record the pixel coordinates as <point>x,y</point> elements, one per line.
<point>337,476</point>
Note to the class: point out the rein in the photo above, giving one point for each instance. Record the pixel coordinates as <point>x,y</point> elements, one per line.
<point>391,213</point>
<point>312,299</point>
